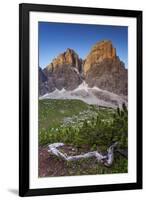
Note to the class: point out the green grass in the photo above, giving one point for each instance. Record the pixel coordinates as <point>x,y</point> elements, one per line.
<point>52,112</point>
<point>89,166</point>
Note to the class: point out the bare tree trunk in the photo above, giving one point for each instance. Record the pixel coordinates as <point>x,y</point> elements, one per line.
<point>107,159</point>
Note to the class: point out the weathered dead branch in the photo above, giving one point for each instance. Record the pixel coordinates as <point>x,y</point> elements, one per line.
<point>106,160</point>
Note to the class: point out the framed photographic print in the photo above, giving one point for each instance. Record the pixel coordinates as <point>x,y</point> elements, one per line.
<point>80,100</point>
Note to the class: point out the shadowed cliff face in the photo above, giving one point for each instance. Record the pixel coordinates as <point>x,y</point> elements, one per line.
<point>65,71</point>
<point>43,82</point>
<point>101,68</point>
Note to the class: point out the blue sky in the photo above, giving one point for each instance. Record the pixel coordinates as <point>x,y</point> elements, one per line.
<point>55,38</point>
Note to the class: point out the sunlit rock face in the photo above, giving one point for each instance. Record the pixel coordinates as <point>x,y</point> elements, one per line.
<point>100,51</point>
<point>69,57</point>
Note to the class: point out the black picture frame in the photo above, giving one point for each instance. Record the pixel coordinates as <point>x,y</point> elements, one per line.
<point>24,10</point>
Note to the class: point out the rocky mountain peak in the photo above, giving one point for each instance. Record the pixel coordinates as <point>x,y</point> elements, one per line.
<point>100,51</point>
<point>69,57</point>
<point>101,68</point>
<point>65,71</point>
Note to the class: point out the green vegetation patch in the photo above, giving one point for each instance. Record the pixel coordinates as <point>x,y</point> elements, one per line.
<point>76,123</point>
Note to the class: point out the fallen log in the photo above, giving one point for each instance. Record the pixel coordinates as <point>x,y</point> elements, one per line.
<point>107,159</point>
